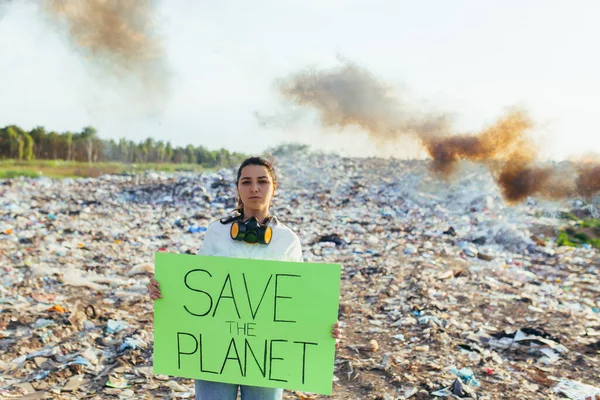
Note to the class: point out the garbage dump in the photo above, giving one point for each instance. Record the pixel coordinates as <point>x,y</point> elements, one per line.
<point>447,292</point>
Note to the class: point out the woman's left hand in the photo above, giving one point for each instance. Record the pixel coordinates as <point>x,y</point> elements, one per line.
<point>337,333</point>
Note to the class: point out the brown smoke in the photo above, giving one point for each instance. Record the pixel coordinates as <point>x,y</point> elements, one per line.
<point>118,39</point>
<point>503,141</point>
<point>588,181</point>
<point>350,95</point>
<point>120,30</point>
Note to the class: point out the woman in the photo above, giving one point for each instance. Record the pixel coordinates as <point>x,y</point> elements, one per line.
<point>256,185</point>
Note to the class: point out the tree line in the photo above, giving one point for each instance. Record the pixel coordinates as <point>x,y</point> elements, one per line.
<point>86,146</point>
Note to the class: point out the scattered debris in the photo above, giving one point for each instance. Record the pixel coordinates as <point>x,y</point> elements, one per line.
<point>435,274</point>
<point>577,390</point>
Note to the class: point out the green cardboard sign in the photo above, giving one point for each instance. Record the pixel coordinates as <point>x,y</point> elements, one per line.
<point>249,322</point>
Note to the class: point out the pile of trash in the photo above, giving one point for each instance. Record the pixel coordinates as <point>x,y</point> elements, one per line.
<point>447,292</point>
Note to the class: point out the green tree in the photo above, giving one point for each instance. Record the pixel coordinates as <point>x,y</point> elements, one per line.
<point>190,153</point>
<point>87,146</point>
<point>38,134</point>
<point>169,152</point>
<point>69,144</point>
<point>160,151</point>
<point>28,147</point>
<point>142,153</point>
<point>11,134</point>
<point>179,155</point>
<point>53,143</point>
<point>150,154</point>
<point>20,147</point>
<point>88,136</point>
<point>123,155</point>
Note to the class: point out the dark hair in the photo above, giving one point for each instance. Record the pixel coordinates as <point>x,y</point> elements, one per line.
<point>260,161</point>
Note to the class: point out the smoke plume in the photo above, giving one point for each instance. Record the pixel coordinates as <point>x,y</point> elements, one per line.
<point>118,41</point>
<point>350,95</point>
<point>588,181</point>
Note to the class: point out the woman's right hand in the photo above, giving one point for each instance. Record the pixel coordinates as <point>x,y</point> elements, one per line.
<point>153,290</point>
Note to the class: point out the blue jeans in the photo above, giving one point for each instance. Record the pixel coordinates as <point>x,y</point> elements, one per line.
<point>206,390</point>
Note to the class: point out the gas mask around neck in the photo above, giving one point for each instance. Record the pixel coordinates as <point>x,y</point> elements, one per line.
<point>251,231</point>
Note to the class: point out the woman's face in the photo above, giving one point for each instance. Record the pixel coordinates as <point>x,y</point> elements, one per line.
<point>255,187</point>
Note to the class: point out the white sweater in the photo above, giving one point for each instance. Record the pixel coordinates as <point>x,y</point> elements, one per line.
<point>284,246</point>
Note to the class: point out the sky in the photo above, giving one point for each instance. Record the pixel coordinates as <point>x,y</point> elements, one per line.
<point>472,59</point>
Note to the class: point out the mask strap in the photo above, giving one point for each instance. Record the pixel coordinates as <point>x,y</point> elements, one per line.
<point>230,218</point>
